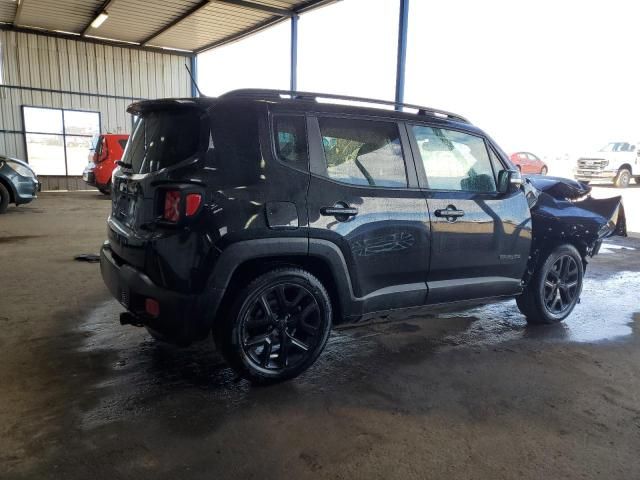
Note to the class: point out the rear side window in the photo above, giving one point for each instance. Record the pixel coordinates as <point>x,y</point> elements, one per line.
<point>454,160</point>
<point>290,138</point>
<point>363,152</point>
<point>163,138</point>
<point>123,143</point>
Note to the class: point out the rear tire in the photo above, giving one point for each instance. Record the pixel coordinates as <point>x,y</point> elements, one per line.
<point>276,327</point>
<point>555,287</point>
<point>623,179</point>
<point>544,170</point>
<point>4,198</point>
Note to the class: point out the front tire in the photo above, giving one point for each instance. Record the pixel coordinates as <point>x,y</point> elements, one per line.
<point>623,179</point>
<point>276,327</point>
<point>555,287</point>
<point>544,171</point>
<point>4,198</point>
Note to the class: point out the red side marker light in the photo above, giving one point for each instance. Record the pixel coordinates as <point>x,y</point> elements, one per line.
<point>152,307</point>
<point>192,203</point>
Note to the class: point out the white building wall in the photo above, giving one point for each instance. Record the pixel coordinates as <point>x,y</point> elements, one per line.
<point>102,78</point>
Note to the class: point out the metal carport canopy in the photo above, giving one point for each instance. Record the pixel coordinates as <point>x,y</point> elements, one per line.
<point>188,26</point>
<point>192,26</point>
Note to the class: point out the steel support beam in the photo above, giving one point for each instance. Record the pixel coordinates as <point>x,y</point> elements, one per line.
<point>402,51</point>
<point>280,12</point>
<point>294,54</point>
<point>194,73</point>
<point>16,19</point>
<point>175,21</point>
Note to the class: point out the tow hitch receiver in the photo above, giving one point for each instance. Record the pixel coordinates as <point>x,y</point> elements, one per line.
<point>128,318</point>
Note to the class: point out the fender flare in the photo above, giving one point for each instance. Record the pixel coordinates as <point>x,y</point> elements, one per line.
<point>242,251</point>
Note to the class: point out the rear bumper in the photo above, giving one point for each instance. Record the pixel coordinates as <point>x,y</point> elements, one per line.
<point>183,317</point>
<point>89,178</point>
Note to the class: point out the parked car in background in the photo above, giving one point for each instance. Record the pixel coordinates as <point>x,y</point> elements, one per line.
<point>616,162</point>
<point>18,182</point>
<point>528,163</point>
<point>266,217</point>
<point>107,150</point>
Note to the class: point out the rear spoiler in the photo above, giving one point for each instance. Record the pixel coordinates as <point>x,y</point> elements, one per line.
<point>143,106</point>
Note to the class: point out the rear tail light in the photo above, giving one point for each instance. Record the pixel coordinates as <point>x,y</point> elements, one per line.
<point>173,205</point>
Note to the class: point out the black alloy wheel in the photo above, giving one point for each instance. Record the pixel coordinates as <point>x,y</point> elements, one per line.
<point>554,289</point>
<point>561,285</point>
<point>281,327</point>
<point>277,326</point>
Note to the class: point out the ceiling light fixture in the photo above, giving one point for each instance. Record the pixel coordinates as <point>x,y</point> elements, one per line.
<point>99,20</point>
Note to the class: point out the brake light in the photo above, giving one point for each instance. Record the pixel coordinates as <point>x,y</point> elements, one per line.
<point>192,203</point>
<point>171,206</point>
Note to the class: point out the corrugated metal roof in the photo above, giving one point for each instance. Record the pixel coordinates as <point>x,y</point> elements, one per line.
<point>191,25</point>
<point>7,10</point>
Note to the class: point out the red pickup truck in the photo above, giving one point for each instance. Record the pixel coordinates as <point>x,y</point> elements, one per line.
<point>107,150</point>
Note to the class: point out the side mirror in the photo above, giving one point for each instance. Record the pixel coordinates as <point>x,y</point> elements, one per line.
<point>509,181</point>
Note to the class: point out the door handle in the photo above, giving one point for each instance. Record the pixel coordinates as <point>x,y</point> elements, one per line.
<point>449,212</point>
<point>338,211</point>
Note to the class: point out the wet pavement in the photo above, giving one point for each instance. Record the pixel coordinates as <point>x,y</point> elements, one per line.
<point>471,394</point>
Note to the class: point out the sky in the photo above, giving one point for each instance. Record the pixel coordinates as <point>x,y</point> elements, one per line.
<point>547,76</point>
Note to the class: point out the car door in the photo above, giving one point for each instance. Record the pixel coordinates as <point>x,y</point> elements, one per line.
<point>364,199</point>
<point>480,239</point>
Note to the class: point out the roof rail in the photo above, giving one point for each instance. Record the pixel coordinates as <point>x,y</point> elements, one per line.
<point>268,93</point>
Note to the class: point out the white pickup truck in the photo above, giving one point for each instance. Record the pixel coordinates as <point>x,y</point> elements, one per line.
<point>616,162</point>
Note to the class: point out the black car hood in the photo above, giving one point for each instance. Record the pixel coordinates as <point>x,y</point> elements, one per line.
<point>562,209</point>
<point>559,187</point>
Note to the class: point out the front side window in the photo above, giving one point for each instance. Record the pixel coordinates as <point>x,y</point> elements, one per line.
<point>454,160</point>
<point>363,152</point>
<point>290,138</point>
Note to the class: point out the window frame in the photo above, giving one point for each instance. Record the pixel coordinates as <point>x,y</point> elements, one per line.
<point>419,165</point>
<point>272,139</point>
<point>63,135</point>
<point>319,160</point>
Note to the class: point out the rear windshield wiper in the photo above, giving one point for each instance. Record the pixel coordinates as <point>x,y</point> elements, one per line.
<point>122,164</point>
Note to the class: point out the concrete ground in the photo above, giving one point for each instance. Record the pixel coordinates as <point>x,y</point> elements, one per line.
<point>473,394</point>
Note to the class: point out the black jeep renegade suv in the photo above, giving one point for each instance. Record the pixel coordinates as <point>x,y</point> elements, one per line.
<point>265,217</point>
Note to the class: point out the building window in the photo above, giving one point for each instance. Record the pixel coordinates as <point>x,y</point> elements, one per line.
<point>58,140</point>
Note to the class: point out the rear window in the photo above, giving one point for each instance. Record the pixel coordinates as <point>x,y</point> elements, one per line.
<point>163,138</point>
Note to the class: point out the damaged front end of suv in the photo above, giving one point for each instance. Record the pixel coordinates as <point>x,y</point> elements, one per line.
<point>563,211</point>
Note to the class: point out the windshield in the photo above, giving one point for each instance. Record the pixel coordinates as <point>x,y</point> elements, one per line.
<point>163,138</point>
<point>617,147</point>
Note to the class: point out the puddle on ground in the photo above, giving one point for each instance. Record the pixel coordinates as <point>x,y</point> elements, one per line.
<point>135,374</point>
<point>606,311</point>
<point>612,248</point>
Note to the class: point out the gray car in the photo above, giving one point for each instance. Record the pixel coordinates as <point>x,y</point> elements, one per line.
<point>18,182</point>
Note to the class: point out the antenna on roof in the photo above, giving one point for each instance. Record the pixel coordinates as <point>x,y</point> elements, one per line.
<point>194,81</point>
